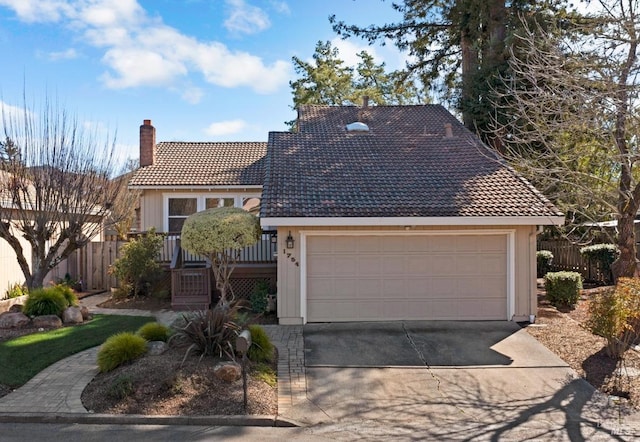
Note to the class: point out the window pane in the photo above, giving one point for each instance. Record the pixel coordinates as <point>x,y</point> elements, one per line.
<point>211,203</point>
<point>182,206</point>
<point>175,224</point>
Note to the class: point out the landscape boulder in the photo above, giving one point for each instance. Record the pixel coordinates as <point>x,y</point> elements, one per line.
<point>14,320</point>
<point>72,315</point>
<point>85,313</point>
<point>47,321</point>
<point>156,348</point>
<point>227,371</point>
<point>16,308</point>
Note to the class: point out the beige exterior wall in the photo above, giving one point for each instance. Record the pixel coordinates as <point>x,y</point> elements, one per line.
<point>521,274</point>
<point>152,203</point>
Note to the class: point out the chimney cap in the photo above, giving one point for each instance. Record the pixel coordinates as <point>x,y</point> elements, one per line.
<point>147,123</point>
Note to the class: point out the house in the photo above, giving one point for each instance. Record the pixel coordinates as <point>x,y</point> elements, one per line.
<point>177,179</point>
<point>398,213</point>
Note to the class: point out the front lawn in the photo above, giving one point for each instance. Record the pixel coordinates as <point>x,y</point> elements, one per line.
<point>22,358</point>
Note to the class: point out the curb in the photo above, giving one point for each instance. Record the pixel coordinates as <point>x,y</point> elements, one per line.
<point>139,419</point>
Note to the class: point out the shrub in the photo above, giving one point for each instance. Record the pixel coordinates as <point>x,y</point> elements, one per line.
<point>120,349</point>
<point>265,373</point>
<point>615,315</point>
<point>137,267</point>
<point>15,290</point>
<point>45,301</point>
<point>120,388</point>
<point>258,298</point>
<point>209,332</point>
<point>563,288</point>
<point>602,254</point>
<point>154,331</point>
<point>261,349</point>
<point>543,260</point>
<point>67,292</point>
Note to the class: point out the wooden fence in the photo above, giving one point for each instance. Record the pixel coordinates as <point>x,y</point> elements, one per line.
<point>567,257</point>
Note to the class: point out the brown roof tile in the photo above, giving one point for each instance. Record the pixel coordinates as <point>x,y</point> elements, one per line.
<point>204,164</point>
<point>404,166</point>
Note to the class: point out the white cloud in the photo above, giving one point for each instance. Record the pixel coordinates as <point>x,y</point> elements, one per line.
<point>349,51</point>
<point>225,127</point>
<point>192,95</point>
<point>38,10</point>
<point>245,18</point>
<point>280,7</point>
<point>142,51</point>
<point>13,114</point>
<point>69,54</point>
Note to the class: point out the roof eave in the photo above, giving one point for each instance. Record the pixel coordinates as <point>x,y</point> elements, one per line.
<point>415,221</point>
<point>198,187</point>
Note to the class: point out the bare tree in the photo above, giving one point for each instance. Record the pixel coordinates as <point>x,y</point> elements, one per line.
<point>573,98</point>
<point>55,186</point>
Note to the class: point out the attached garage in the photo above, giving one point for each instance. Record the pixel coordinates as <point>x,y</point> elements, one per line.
<point>386,276</point>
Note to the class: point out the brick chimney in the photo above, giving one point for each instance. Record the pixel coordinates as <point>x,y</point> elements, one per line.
<point>147,144</point>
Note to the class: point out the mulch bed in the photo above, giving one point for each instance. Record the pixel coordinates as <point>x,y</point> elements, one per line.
<point>563,331</point>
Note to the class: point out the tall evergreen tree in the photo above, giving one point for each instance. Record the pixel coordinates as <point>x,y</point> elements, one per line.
<point>458,47</point>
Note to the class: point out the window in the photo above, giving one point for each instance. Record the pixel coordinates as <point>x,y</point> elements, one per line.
<point>179,210</point>
<point>211,203</point>
<point>177,207</point>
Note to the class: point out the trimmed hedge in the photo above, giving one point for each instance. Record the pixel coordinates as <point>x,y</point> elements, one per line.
<point>543,260</point>
<point>604,255</point>
<point>563,288</point>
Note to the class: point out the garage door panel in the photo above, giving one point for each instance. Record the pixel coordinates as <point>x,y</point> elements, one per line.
<point>344,265</point>
<point>394,265</point>
<point>368,265</point>
<point>369,277</point>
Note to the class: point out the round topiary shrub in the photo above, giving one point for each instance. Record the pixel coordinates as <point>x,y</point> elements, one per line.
<point>120,349</point>
<point>261,349</point>
<point>154,331</point>
<point>543,261</point>
<point>563,288</point>
<point>45,301</point>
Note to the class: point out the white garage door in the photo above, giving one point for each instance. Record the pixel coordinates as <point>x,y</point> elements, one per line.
<point>404,277</point>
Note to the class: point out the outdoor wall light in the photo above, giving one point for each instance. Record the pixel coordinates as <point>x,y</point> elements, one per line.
<point>290,241</point>
<point>274,239</point>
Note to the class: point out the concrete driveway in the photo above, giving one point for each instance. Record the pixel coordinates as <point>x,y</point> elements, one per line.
<point>440,380</point>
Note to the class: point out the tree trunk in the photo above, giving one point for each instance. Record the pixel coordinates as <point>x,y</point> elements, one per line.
<point>469,69</point>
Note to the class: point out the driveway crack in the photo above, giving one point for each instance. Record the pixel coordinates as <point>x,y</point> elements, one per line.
<point>424,361</point>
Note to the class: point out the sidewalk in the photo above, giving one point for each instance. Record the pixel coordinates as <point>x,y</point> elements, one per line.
<point>54,394</point>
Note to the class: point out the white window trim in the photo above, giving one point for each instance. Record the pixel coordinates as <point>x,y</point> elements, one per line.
<point>201,198</point>
<point>510,235</point>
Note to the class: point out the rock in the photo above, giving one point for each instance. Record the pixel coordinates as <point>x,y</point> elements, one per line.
<point>85,313</point>
<point>47,321</point>
<point>14,320</point>
<point>16,308</point>
<point>156,348</point>
<point>227,371</point>
<point>72,315</point>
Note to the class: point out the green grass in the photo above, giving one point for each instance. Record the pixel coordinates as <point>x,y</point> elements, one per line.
<point>22,358</point>
<point>266,373</point>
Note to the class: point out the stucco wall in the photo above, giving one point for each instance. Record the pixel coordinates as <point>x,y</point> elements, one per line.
<point>523,277</point>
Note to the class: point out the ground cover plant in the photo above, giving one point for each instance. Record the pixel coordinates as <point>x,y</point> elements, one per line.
<point>23,357</point>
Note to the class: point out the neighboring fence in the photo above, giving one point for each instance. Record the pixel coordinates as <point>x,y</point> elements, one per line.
<point>567,257</point>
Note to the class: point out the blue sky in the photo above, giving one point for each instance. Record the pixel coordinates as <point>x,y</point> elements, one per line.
<point>201,70</point>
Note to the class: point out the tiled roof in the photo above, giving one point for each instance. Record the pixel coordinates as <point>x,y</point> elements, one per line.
<point>204,164</point>
<point>403,167</point>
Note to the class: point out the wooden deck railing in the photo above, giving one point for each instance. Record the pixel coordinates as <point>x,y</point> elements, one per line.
<point>263,252</point>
